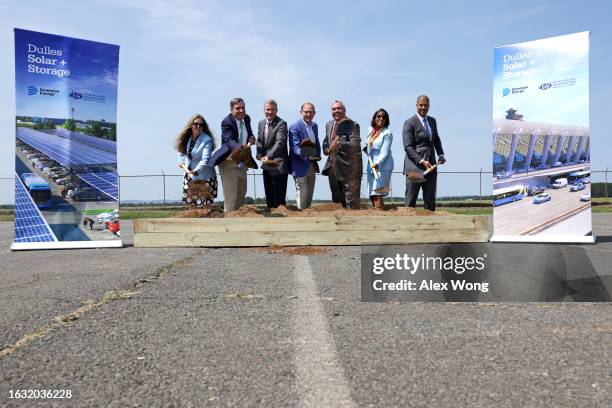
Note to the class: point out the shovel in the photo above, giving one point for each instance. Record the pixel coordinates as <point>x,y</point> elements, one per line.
<point>242,156</point>
<point>419,176</point>
<point>380,188</point>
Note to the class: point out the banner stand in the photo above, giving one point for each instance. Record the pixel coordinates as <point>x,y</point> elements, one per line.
<point>26,246</point>
<point>66,177</point>
<point>541,141</point>
<point>589,239</point>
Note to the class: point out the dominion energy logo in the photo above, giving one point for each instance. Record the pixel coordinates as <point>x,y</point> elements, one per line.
<point>33,90</point>
<point>512,91</point>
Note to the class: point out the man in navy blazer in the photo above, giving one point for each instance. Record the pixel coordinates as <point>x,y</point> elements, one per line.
<point>304,168</point>
<point>235,131</point>
<point>421,143</point>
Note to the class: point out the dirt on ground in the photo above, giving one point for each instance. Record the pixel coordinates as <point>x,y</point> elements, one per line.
<point>317,210</point>
<point>195,213</point>
<point>300,250</point>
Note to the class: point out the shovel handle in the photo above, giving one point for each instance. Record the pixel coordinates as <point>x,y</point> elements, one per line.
<point>372,167</point>
<point>429,170</point>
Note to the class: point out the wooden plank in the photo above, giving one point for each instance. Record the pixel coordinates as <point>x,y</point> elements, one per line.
<point>395,223</point>
<point>296,238</point>
<point>481,223</point>
<point>223,225</point>
<point>329,223</point>
<point>141,225</point>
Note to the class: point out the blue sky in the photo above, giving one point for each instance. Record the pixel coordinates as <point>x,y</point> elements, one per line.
<point>181,57</point>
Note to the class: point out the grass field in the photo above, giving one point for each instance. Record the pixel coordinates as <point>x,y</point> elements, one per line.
<point>463,207</point>
<point>129,214</point>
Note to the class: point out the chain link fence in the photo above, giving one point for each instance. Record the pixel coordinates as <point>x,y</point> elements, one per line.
<point>166,187</point>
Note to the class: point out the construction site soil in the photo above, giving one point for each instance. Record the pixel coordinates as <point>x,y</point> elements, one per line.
<point>320,210</point>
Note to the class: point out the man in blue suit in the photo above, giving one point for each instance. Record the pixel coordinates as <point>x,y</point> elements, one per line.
<point>303,167</point>
<point>235,131</point>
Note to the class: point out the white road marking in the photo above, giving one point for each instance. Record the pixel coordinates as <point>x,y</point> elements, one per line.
<point>320,378</point>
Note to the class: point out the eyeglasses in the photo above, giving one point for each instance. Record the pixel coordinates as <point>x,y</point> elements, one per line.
<point>379,116</point>
<point>198,124</point>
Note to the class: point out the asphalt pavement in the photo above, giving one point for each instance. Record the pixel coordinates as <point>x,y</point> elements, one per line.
<point>257,327</point>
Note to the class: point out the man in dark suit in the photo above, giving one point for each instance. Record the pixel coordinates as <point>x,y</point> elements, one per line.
<point>272,145</point>
<point>421,144</point>
<point>235,131</point>
<point>304,166</point>
<point>344,166</point>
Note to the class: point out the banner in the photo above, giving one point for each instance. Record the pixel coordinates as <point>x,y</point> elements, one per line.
<point>541,143</point>
<point>66,182</point>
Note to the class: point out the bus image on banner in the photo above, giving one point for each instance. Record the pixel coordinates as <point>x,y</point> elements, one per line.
<point>508,195</point>
<point>583,177</point>
<point>38,188</point>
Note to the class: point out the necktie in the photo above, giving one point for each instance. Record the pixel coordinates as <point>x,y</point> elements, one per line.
<point>241,132</point>
<point>334,132</point>
<point>267,130</point>
<point>426,127</point>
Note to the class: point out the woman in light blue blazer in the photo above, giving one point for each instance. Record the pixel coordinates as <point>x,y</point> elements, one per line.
<point>380,159</point>
<point>195,145</point>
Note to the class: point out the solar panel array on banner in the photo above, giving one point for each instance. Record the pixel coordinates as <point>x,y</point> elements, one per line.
<point>30,225</point>
<point>107,182</point>
<point>63,150</point>
<point>98,142</point>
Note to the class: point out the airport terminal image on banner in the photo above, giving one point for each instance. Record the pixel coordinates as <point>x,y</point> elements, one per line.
<point>541,178</point>
<point>66,181</point>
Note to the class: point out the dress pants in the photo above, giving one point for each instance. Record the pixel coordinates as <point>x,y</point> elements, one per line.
<point>275,187</point>
<point>234,183</point>
<point>345,192</point>
<point>429,192</point>
<point>304,188</point>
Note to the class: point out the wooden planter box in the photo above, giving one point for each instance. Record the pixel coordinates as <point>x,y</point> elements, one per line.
<point>296,231</point>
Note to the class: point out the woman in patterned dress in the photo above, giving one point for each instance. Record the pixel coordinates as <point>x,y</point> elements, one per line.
<point>195,144</point>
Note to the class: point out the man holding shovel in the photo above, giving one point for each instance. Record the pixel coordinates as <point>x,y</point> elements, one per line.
<point>234,155</point>
<point>272,151</point>
<point>344,166</point>
<point>421,144</point>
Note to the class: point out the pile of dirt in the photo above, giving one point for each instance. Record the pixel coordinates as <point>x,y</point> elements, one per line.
<point>245,211</point>
<point>418,211</point>
<point>195,213</point>
<point>317,210</point>
<point>299,250</point>
<point>284,211</point>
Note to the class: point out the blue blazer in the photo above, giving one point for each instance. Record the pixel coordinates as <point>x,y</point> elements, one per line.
<point>381,151</point>
<point>299,165</point>
<point>200,157</point>
<point>229,138</point>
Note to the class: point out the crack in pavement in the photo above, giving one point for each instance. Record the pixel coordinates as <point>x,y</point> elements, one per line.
<point>90,306</point>
<point>36,298</point>
<point>18,285</point>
